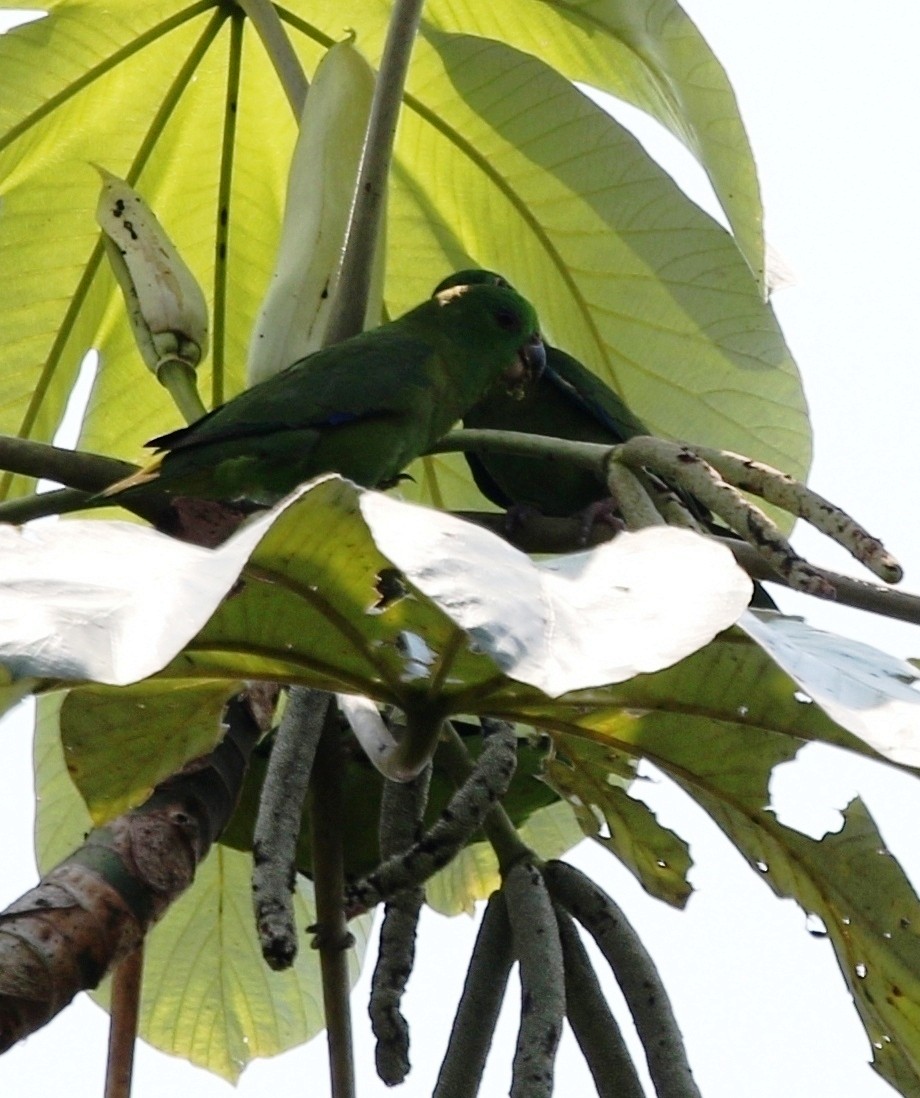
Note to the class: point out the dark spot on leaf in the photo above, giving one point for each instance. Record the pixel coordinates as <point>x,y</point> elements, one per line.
<point>130,227</point>
<point>119,208</point>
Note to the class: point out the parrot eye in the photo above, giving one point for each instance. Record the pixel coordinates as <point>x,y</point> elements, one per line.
<point>508,320</point>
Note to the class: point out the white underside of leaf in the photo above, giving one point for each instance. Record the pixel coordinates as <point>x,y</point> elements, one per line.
<point>637,604</point>
<point>866,691</point>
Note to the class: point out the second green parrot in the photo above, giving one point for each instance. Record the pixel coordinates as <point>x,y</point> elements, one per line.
<point>363,408</point>
<point>566,401</point>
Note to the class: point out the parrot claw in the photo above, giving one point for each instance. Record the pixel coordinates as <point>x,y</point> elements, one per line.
<point>604,511</point>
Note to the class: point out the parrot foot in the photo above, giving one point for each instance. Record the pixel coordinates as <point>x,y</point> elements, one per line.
<point>604,511</point>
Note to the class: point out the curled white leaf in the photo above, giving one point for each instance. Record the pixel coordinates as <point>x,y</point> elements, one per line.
<point>321,186</point>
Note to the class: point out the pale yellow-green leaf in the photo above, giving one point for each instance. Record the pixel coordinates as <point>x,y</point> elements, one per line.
<point>61,818</point>
<point>209,996</point>
<point>589,775</point>
<point>121,741</point>
<point>499,161</point>
<point>648,53</point>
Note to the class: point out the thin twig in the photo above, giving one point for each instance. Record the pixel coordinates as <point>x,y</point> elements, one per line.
<point>346,316</point>
<point>632,499</point>
<point>179,380</point>
<point>586,455</point>
<point>274,845</point>
<point>59,501</point>
<point>124,1011</point>
<point>332,937</point>
<point>535,935</point>
<point>748,521</point>
<point>264,18</point>
<point>592,1021</point>
<point>636,974</point>
<point>783,491</point>
<point>401,812</point>
<point>73,468</point>
<point>465,812</point>
<point>497,825</point>
<point>480,1003</point>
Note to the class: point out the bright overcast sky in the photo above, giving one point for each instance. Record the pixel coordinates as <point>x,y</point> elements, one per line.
<point>830,93</point>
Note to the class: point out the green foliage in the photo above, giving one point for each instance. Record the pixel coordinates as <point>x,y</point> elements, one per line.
<point>489,115</point>
<point>501,161</point>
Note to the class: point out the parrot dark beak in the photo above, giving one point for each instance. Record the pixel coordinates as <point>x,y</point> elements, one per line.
<point>529,363</point>
<point>533,355</point>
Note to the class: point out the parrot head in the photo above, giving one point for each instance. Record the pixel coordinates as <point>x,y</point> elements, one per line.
<point>509,315</point>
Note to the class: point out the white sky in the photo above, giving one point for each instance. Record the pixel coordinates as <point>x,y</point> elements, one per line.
<point>829,92</point>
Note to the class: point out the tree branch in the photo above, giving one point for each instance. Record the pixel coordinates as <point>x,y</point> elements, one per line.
<point>73,468</point>
<point>545,534</point>
<point>467,810</point>
<point>346,317</point>
<point>94,909</point>
<point>274,844</point>
<point>332,937</point>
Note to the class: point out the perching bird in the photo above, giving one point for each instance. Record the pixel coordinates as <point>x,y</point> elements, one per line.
<point>566,401</point>
<point>364,408</point>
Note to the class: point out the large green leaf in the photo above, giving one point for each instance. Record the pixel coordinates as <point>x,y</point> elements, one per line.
<point>424,611</point>
<point>628,273</point>
<point>650,54</point>
<point>208,995</point>
<point>737,718</point>
<point>595,781</point>
<point>121,742</point>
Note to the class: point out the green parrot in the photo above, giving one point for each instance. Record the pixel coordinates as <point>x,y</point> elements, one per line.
<point>364,408</point>
<point>566,401</point>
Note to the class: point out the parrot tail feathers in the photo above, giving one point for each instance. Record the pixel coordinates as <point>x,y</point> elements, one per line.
<point>149,473</point>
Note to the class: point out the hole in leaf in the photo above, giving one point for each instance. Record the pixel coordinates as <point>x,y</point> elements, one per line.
<point>814,924</point>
